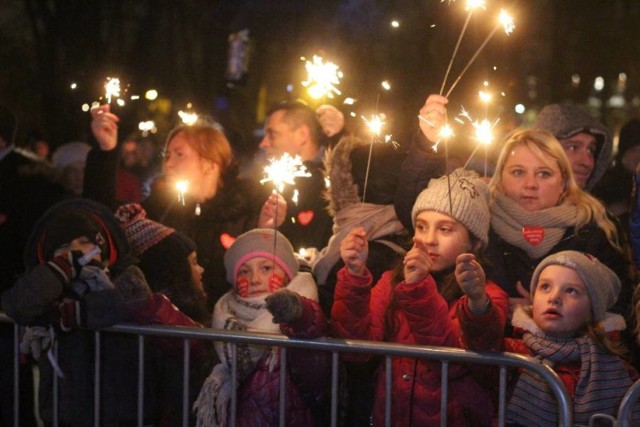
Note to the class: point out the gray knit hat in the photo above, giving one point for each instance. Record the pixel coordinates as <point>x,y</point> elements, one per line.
<point>468,204</point>
<point>603,285</point>
<point>259,242</point>
<point>564,121</point>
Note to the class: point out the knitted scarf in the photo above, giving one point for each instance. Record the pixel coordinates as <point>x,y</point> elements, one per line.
<point>377,220</point>
<point>233,312</point>
<point>603,381</point>
<point>511,222</point>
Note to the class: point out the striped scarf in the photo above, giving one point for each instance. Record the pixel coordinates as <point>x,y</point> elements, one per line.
<point>603,381</point>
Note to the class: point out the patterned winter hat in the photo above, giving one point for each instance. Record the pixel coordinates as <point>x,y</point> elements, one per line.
<point>603,285</point>
<point>141,232</point>
<point>466,202</point>
<point>260,242</point>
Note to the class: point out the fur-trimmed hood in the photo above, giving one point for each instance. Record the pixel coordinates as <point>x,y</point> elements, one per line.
<point>346,166</point>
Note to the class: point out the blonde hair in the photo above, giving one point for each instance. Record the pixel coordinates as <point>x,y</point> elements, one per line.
<point>547,148</point>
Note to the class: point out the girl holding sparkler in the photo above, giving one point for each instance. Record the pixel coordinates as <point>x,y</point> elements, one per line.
<point>214,206</point>
<point>439,284</point>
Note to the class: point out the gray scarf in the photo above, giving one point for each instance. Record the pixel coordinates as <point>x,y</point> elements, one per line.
<point>535,232</point>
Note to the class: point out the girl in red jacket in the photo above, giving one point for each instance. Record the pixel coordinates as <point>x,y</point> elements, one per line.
<point>422,302</point>
<point>268,295</point>
<point>569,327</point>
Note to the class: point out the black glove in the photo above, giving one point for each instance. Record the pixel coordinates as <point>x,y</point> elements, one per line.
<point>284,305</point>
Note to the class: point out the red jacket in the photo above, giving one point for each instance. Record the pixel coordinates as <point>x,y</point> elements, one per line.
<point>422,317</point>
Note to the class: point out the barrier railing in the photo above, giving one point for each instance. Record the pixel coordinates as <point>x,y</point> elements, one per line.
<point>335,346</point>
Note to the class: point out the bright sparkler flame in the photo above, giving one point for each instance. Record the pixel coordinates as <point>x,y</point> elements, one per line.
<point>182,187</point>
<point>484,131</point>
<point>188,118</point>
<point>444,134</point>
<point>322,78</point>
<point>507,21</point>
<point>284,170</point>
<point>111,88</point>
<point>375,124</point>
<point>474,4</point>
<point>485,97</point>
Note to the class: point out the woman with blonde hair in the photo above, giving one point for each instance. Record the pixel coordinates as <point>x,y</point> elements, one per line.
<point>537,209</point>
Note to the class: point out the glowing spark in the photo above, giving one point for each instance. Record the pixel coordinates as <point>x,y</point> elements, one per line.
<point>151,94</point>
<point>387,139</point>
<point>507,22</point>
<point>284,170</point>
<point>74,86</point>
<point>444,134</point>
<point>485,97</point>
<point>188,118</point>
<point>475,4</point>
<point>322,78</point>
<point>484,131</point>
<point>295,196</point>
<point>349,101</point>
<point>386,85</point>
<point>111,89</point>
<point>120,102</point>
<point>375,124</point>
<point>182,187</point>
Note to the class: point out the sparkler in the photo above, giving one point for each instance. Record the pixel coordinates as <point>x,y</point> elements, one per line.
<point>322,78</point>
<point>182,187</point>
<point>506,22</point>
<point>188,118</point>
<point>283,171</point>
<point>111,88</point>
<point>375,125</point>
<point>471,6</point>
<point>483,134</point>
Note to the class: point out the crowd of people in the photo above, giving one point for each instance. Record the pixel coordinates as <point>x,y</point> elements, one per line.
<point>541,258</point>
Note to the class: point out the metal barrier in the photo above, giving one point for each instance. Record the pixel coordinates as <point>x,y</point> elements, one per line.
<point>335,346</point>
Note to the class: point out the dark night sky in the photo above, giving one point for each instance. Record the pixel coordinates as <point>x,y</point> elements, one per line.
<point>180,48</point>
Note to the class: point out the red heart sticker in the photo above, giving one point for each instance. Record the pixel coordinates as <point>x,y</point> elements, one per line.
<point>533,235</point>
<point>305,217</point>
<point>226,240</point>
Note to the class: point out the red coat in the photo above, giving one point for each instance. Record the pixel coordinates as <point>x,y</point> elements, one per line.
<point>422,317</point>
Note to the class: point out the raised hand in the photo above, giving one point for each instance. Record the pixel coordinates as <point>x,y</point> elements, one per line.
<point>330,118</point>
<point>417,263</point>
<point>104,126</point>
<point>275,204</point>
<point>434,115</point>
<point>471,279</point>
<point>354,250</point>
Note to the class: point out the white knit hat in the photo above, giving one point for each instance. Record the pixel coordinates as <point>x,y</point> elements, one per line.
<point>466,202</point>
<point>603,285</point>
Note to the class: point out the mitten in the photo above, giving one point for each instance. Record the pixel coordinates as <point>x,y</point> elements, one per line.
<point>71,315</point>
<point>66,266</point>
<point>133,287</point>
<point>284,305</point>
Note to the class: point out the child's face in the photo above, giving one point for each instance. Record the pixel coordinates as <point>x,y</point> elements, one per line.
<point>561,304</point>
<point>82,244</point>
<point>445,238</point>
<point>259,276</point>
<point>196,271</point>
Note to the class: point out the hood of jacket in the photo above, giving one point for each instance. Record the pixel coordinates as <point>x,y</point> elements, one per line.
<point>564,121</point>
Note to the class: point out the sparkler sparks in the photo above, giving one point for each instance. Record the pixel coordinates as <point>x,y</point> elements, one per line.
<point>284,170</point>
<point>182,187</point>
<point>188,118</point>
<point>111,89</point>
<point>507,22</point>
<point>322,78</point>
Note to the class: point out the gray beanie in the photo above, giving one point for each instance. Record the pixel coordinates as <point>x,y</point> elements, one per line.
<point>259,242</point>
<point>603,285</point>
<point>468,205</point>
<point>565,120</point>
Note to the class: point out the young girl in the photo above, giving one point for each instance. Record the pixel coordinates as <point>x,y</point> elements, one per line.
<point>569,327</point>
<point>268,295</point>
<point>421,302</point>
